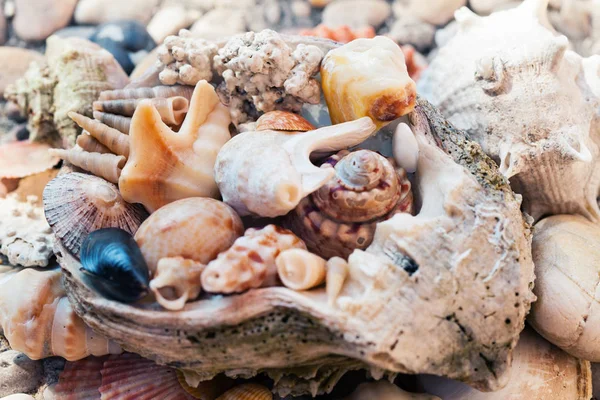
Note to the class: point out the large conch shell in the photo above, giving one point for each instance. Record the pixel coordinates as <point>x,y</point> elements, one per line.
<point>164,165</point>
<point>531,103</point>
<point>367,77</point>
<point>456,310</point>
<point>268,172</point>
<point>37,318</point>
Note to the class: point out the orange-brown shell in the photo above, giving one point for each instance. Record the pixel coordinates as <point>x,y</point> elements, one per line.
<point>283,121</point>
<point>247,391</point>
<point>342,33</point>
<point>21,159</point>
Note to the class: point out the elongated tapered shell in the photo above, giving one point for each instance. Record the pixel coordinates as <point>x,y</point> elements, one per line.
<point>147,93</point>
<point>283,121</point>
<point>90,144</point>
<point>107,166</point>
<point>116,141</point>
<point>119,122</point>
<point>172,110</point>
<point>76,204</point>
<point>247,391</point>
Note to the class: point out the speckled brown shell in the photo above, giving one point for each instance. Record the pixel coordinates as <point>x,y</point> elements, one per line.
<point>76,204</point>
<point>283,121</point>
<point>343,214</point>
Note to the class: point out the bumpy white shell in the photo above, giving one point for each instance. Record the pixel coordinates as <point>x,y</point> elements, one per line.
<point>267,173</point>
<point>38,320</point>
<point>531,104</point>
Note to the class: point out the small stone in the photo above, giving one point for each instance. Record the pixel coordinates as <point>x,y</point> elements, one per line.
<point>36,20</point>
<point>13,64</point>
<point>96,12</point>
<point>301,8</point>
<point>219,23</point>
<point>84,32</point>
<point>18,373</point>
<point>169,20</point>
<point>356,13</point>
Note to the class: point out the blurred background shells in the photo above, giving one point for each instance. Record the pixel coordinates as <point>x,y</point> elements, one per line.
<point>77,204</point>
<point>36,20</point>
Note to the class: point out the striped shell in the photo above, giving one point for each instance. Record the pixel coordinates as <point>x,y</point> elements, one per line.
<point>247,391</point>
<point>76,204</point>
<point>80,380</point>
<point>21,159</point>
<point>283,121</point>
<point>342,215</point>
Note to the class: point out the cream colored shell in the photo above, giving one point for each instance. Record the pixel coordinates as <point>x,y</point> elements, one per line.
<point>300,269</point>
<point>176,281</point>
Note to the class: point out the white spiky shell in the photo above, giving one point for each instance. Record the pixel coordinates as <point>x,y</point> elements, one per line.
<point>514,87</point>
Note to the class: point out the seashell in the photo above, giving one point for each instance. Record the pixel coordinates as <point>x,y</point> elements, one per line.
<point>129,376</point>
<point>283,121</point>
<point>21,159</point>
<point>113,265</point>
<point>416,63</point>
<point>25,237</point>
<point>176,281</point>
<point>367,77</point>
<point>250,261</point>
<point>383,390</point>
<point>38,320</point>
<point>36,21</point>
<point>206,390</point>
<point>77,204</point>
<point>107,165</point>
<point>80,380</point>
<point>118,122</point>
<point>95,12</point>
<point>196,229</point>
<point>519,70</point>
<point>539,371</point>
<point>247,391</point>
<point>19,396</point>
<point>112,139</point>
<point>342,215</point>
<point>147,93</point>
<point>299,269</point>
<point>172,110</point>
<point>405,148</point>
<point>356,13</point>
<point>15,62</point>
<point>337,272</point>
<point>243,165</point>
<point>342,33</point>
<point>169,19</point>
<point>435,12</point>
<point>165,166</point>
<point>91,145</point>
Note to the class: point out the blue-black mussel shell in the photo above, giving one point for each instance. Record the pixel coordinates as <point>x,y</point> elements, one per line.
<point>113,265</point>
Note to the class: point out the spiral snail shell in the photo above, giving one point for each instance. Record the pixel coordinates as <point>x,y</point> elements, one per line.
<point>341,216</point>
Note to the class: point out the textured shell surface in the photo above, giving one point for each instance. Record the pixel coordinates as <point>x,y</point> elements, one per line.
<point>267,173</point>
<point>196,228</point>
<point>247,391</point>
<point>37,318</point>
<point>21,159</point>
<point>77,204</point>
<point>176,281</point>
<point>300,269</point>
<point>367,77</point>
<point>283,121</point>
<point>104,165</point>
<point>445,292</point>
<point>80,380</point>
<point>531,103</point>
<point>164,165</point>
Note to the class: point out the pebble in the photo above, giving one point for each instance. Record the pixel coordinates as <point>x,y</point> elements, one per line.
<point>219,23</point>
<point>169,20</point>
<point>83,32</point>
<point>356,13</point>
<point>97,12</point>
<point>36,20</point>
<point>18,373</point>
<point>124,39</point>
<point>13,64</point>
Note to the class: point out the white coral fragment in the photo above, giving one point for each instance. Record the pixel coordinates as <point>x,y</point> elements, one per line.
<point>25,236</point>
<point>262,73</point>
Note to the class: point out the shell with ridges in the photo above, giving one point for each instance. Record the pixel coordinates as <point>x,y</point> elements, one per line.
<point>104,165</point>
<point>283,121</point>
<point>247,391</point>
<point>367,77</point>
<point>267,173</point>
<point>164,165</point>
<point>176,281</point>
<point>197,228</point>
<point>89,144</point>
<point>77,204</point>
<point>118,122</point>
<point>250,261</point>
<point>80,380</point>
<point>147,93</point>
<point>299,269</point>
<point>172,110</point>
<point>114,140</point>
<point>342,215</point>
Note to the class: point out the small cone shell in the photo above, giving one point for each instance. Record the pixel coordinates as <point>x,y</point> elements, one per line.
<point>118,122</point>
<point>148,93</point>
<point>77,204</point>
<point>299,269</point>
<point>171,110</point>
<point>247,391</point>
<point>107,166</point>
<point>337,272</point>
<point>91,145</point>
<point>114,140</point>
<point>283,121</point>
<point>176,281</point>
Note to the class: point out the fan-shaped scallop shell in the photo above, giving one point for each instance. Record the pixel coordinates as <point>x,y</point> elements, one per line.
<point>129,376</point>
<point>342,215</point>
<point>283,121</point>
<point>21,159</point>
<point>80,380</point>
<point>76,204</point>
<point>247,391</point>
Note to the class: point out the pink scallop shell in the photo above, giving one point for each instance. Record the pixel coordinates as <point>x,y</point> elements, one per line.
<point>21,159</point>
<point>80,380</point>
